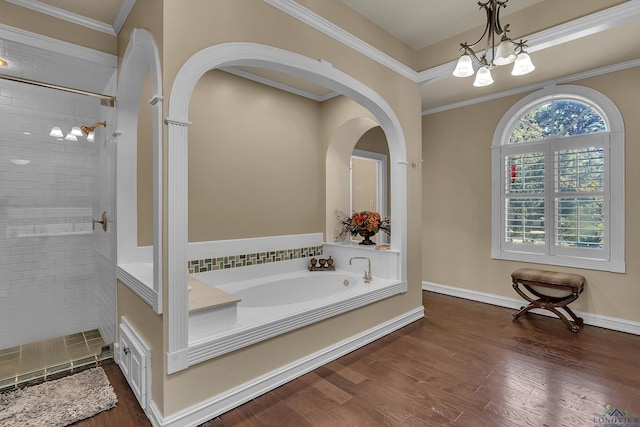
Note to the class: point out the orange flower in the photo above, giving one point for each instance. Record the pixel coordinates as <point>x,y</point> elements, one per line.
<point>369,221</point>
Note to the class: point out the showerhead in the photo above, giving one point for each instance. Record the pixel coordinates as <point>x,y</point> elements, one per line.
<point>86,129</point>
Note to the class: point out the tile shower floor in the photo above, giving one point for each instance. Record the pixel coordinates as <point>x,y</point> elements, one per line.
<point>30,364</point>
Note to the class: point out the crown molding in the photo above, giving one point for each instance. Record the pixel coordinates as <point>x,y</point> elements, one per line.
<point>560,80</point>
<point>55,45</point>
<point>321,24</point>
<point>563,33</point>
<point>93,24</point>
<point>585,26</point>
<point>123,14</point>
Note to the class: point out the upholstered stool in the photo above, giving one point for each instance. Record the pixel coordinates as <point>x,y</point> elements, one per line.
<point>570,285</point>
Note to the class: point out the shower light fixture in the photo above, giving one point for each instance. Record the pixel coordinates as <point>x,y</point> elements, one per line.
<point>76,131</point>
<point>20,162</point>
<point>56,132</point>
<point>89,129</point>
<point>3,62</point>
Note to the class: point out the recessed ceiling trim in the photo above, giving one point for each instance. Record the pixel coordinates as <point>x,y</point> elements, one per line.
<point>560,80</point>
<point>294,90</point>
<point>65,48</point>
<point>332,30</point>
<point>123,13</point>
<point>56,12</point>
<point>563,33</point>
<point>585,26</point>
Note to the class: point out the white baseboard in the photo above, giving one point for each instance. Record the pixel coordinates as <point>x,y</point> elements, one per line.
<point>601,321</point>
<point>211,408</point>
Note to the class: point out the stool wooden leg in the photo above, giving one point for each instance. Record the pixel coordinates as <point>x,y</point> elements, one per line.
<point>523,310</point>
<point>551,304</point>
<point>574,328</point>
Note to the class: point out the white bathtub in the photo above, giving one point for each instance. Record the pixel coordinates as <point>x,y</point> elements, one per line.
<point>295,288</point>
<point>281,303</point>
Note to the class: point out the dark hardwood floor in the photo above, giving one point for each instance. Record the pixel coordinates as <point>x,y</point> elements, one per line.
<point>464,364</point>
<point>127,412</point>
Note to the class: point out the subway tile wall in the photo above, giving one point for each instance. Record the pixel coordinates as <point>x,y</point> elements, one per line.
<point>47,191</point>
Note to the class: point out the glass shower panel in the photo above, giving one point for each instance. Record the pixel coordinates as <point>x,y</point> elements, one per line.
<point>48,193</point>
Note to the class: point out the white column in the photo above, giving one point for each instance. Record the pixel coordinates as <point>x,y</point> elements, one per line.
<point>177,224</point>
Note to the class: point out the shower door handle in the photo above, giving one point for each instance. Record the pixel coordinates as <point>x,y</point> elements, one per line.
<point>102,220</point>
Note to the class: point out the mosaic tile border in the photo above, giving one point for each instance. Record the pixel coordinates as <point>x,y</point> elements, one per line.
<point>244,260</point>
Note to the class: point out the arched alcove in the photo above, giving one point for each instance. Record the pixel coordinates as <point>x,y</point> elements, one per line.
<point>337,166</point>
<point>139,268</point>
<point>255,55</point>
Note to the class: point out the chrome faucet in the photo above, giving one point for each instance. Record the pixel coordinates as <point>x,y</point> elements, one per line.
<point>367,274</point>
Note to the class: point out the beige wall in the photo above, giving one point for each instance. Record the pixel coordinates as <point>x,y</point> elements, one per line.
<point>39,23</point>
<point>256,164</point>
<point>456,195</point>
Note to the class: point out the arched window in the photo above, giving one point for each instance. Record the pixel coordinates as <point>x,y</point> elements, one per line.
<point>558,181</point>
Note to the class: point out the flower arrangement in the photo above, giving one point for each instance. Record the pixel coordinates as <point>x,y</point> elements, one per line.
<point>365,224</point>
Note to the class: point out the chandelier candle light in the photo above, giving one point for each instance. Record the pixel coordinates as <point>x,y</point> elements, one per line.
<point>506,52</point>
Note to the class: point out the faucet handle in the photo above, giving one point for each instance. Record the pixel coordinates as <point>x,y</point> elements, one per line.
<point>367,277</point>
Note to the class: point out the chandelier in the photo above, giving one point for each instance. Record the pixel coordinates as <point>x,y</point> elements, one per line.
<point>506,52</point>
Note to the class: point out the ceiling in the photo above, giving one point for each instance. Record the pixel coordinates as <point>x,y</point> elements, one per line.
<point>420,23</point>
<point>561,47</point>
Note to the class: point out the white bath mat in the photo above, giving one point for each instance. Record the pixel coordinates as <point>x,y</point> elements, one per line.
<point>58,403</point>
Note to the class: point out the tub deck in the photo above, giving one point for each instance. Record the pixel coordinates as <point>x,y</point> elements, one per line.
<point>203,296</point>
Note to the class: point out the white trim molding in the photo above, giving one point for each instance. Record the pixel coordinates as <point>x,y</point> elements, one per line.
<point>524,89</point>
<point>255,55</point>
<point>57,12</point>
<point>59,46</point>
<point>591,24</point>
<point>282,86</point>
<point>211,408</point>
<point>140,58</point>
<point>598,320</point>
<point>327,27</point>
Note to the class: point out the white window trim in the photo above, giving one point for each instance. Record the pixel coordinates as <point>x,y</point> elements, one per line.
<point>615,262</point>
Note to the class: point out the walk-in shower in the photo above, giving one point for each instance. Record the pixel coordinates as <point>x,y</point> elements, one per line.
<point>56,272</point>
